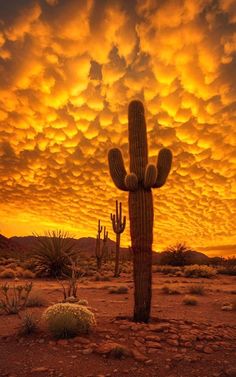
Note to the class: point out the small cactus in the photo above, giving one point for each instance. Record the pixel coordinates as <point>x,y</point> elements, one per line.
<point>98,250</point>
<point>139,182</point>
<point>118,225</point>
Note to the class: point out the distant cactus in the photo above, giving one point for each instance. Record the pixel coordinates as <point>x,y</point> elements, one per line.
<point>118,225</point>
<point>139,182</point>
<point>98,249</point>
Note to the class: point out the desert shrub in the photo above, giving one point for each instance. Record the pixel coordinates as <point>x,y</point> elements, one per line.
<point>28,325</point>
<point>7,273</point>
<point>197,289</point>
<point>27,274</point>
<point>168,270</point>
<point>175,255</point>
<point>35,301</point>
<point>68,320</point>
<point>170,291</point>
<point>227,270</point>
<point>100,277</point>
<point>190,300</point>
<point>196,271</point>
<point>13,299</point>
<point>11,265</point>
<point>52,253</point>
<point>118,290</point>
<point>233,292</point>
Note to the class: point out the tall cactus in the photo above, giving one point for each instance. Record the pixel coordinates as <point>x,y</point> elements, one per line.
<point>98,250</point>
<point>139,182</point>
<point>104,246</point>
<point>118,227</point>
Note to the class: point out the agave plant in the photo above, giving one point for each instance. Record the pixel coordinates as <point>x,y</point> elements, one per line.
<point>53,253</point>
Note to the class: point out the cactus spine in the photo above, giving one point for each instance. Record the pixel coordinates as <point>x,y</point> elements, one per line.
<point>118,228</point>
<point>139,182</point>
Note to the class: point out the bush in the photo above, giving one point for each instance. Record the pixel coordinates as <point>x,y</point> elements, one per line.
<point>35,301</point>
<point>28,325</point>
<point>227,270</point>
<point>68,320</point>
<point>118,290</point>
<point>190,300</point>
<point>14,298</point>
<point>52,254</point>
<point>197,289</point>
<point>7,273</point>
<point>27,274</point>
<point>196,271</point>
<point>170,291</point>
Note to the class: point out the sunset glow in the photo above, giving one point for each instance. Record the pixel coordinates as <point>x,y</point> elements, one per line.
<point>68,70</point>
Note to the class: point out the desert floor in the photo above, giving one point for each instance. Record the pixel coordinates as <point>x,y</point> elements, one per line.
<point>181,340</point>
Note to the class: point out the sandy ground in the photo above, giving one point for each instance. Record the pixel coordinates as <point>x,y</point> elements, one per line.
<point>181,340</point>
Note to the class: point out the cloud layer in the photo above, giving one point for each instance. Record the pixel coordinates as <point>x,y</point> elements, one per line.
<point>67,73</point>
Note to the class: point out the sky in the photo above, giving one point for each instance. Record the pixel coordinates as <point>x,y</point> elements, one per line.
<point>68,70</point>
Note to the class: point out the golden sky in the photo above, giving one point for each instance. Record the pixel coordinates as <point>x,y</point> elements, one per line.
<point>68,70</point>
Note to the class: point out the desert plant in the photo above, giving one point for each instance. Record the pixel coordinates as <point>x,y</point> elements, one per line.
<point>28,325</point>
<point>118,290</point>
<point>83,302</point>
<point>51,253</point>
<point>99,251</point>
<point>196,271</point>
<point>118,225</point>
<point>7,273</point>
<point>14,298</point>
<point>176,255</point>
<point>68,320</point>
<point>197,289</point>
<point>170,291</point>
<point>139,182</point>
<point>35,301</point>
<point>190,300</point>
<point>70,286</point>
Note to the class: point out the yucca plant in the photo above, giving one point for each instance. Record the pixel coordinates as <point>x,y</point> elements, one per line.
<point>52,253</point>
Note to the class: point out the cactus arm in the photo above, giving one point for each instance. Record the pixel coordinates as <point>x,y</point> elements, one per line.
<point>117,168</point>
<point>163,167</point>
<point>131,182</point>
<point>138,149</point>
<point>150,176</point>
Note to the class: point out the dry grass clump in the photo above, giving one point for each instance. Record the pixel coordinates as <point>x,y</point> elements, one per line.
<point>7,273</point>
<point>190,300</point>
<point>199,271</point>
<point>170,291</point>
<point>35,301</point>
<point>28,325</point>
<point>68,320</point>
<point>118,290</point>
<point>197,289</point>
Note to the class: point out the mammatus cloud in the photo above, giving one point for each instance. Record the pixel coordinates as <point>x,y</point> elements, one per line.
<point>67,73</point>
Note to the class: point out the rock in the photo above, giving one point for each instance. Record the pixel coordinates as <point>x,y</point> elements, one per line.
<point>227,308</point>
<point>114,349</point>
<point>172,342</point>
<point>81,340</point>
<point>150,344</point>
<point>160,327</point>
<point>207,349</point>
<point>39,370</point>
<point>71,299</point>
<point>230,372</point>
<point>154,338</point>
<point>138,356</point>
<point>87,351</point>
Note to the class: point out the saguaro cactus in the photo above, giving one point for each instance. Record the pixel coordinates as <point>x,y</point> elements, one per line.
<point>118,227</point>
<point>104,246</point>
<point>139,182</point>
<point>98,250</point>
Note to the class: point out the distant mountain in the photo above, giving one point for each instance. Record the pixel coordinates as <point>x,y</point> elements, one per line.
<point>85,245</point>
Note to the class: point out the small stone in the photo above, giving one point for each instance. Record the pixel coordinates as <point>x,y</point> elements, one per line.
<point>172,342</point>
<point>207,349</point>
<point>150,344</point>
<point>227,308</point>
<point>138,356</point>
<point>39,370</point>
<point>87,351</point>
